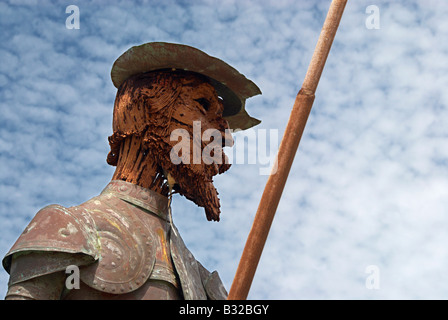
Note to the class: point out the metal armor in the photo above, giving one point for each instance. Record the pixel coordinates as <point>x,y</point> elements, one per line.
<point>123,244</point>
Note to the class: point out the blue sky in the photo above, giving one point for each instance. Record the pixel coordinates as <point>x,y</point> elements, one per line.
<point>369,185</point>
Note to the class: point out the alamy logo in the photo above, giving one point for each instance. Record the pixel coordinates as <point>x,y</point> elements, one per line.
<point>72,281</point>
<point>72,21</point>
<point>373,279</point>
<point>373,20</point>
<point>257,149</point>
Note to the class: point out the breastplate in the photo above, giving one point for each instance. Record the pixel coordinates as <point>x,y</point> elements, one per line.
<point>133,230</point>
<point>123,244</point>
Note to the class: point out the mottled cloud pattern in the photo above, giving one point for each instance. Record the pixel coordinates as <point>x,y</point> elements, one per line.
<point>369,185</point>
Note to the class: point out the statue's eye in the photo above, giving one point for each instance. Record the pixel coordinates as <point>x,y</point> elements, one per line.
<point>204,103</point>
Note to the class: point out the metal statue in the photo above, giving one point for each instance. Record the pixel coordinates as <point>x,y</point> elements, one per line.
<point>123,241</point>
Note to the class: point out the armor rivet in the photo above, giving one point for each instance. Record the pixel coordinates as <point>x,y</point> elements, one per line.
<point>123,188</point>
<point>64,232</point>
<point>144,196</point>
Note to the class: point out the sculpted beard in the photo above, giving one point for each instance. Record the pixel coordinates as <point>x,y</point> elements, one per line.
<point>151,106</point>
<point>194,181</point>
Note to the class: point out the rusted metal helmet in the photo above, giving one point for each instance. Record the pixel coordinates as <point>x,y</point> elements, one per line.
<point>233,87</point>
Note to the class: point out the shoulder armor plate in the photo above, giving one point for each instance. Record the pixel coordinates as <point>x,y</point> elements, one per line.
<point>57,231</point>
<point>127,247</point>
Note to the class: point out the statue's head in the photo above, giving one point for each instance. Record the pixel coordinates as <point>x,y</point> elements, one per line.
<point>168,106</point>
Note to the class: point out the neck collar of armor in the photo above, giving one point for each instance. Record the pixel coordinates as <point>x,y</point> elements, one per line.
<point>141,197</point>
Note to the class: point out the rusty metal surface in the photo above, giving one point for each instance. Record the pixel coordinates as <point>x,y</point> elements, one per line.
<point>144,198</point>
<point>31,264</point>
<point>133,253</point>
<point>212,284</point>
<point>132,240</point>
<point>57,229</point>
<point>155,221</point>
<point>150,290</point>
<point>127,252</point>
<point>233,87</point>
<point>187,268</point>
<point>47,287</point>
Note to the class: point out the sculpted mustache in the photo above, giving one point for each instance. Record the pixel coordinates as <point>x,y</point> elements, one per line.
<point>195,151</point>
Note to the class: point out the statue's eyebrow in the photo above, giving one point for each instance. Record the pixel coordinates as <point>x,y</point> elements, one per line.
<point>204,102</point>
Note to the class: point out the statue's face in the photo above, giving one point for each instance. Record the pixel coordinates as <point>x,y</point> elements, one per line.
<point>198,111</point>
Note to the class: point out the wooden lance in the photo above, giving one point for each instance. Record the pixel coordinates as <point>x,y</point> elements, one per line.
<point>287,150</point>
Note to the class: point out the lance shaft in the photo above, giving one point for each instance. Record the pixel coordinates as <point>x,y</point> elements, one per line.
<point>285,157</point>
